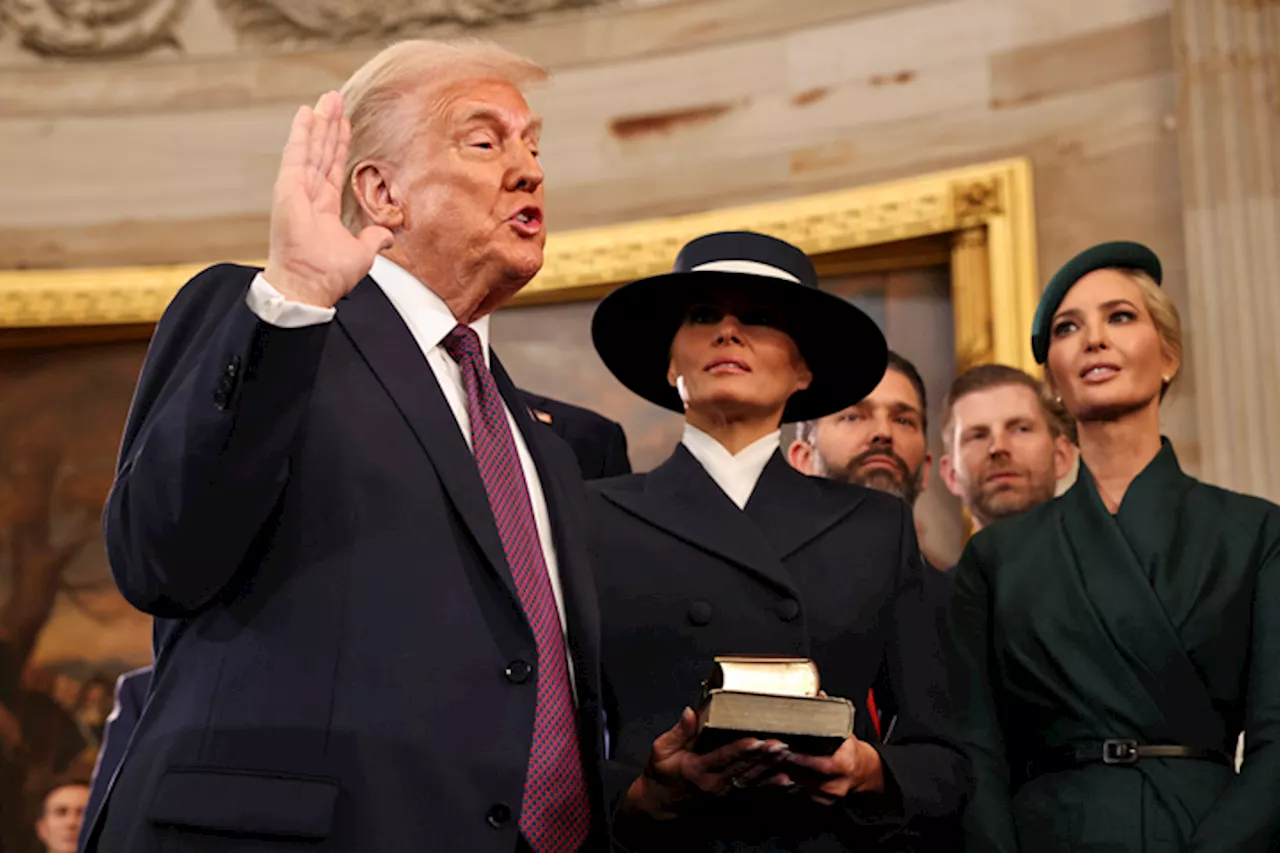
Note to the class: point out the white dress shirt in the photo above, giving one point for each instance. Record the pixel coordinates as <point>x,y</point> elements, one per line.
<point>735,474</point>
<point>429,320</point>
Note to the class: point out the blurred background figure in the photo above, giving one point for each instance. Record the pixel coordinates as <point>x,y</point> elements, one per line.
<point>61,813</point>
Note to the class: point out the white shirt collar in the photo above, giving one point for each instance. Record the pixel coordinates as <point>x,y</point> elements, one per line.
<point>736,475</point>
<point>426,314</point>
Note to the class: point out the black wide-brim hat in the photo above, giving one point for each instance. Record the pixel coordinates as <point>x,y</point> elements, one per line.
<point>845,350</point>
<point>1118,254</point>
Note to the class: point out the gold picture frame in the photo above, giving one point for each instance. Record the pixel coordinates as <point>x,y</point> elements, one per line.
<point>979,218</point>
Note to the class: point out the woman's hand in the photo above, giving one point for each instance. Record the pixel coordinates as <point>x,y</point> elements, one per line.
<point>677,777</point>
<point>853,768</point>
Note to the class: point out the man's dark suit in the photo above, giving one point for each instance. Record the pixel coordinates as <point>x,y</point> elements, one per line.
<point>599,443</point>
<point>812,567</point>
<point>343,663</point>
<point>131,696</point>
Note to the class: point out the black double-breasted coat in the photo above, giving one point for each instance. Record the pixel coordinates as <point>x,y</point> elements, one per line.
<point>810,567</point>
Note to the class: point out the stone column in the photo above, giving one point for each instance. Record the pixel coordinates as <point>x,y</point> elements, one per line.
<point>1228,61</point>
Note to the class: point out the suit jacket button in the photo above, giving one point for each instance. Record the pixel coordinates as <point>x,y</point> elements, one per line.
<point>499,815</point>
<point>700,613</point>
<point>518,672</point>
<point>788,610</point>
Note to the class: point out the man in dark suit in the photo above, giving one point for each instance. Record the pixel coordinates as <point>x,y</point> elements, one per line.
<point>376,625</point>
<point>599,443</point>
<point>131,696</point>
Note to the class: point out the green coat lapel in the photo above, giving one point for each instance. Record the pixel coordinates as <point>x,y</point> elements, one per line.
<point>1123,561</point>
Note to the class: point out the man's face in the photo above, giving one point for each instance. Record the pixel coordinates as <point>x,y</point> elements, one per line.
<point>1003,458</point>
<point>878,443</point>
<point>468,194</point>
<point>59,826</point>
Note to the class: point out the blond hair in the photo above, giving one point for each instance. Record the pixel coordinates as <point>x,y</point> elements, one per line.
<point>379,96</point>
<point>1165,316</point>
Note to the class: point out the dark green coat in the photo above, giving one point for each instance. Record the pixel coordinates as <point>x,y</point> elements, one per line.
<point>1160,623</point>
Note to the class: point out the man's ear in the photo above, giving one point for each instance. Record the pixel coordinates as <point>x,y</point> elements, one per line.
<point>947,471</point>
<point>800,455</point>
<point>924,471</point>
<point>377,197</point>
<point>1064,456</point>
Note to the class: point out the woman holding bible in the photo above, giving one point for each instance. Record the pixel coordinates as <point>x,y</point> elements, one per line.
<point>726,549</point>
<point>1110,645</point>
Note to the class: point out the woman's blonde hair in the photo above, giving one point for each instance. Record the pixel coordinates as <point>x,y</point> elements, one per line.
<point>1164,315</point>
<point>379,96</point>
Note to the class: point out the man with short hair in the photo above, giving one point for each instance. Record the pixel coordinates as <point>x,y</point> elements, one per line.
<point>880,442</point>
<point>61,812</point>
<point>376,621</point>
<point>1007,442</point>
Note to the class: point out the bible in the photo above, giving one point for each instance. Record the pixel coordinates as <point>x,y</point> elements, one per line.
<point>770,697</point>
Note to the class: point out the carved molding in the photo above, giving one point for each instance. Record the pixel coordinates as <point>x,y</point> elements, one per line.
<point>993,270</point>
<point>976,200</point>
<point>93,28</point>
<point>340,21</point>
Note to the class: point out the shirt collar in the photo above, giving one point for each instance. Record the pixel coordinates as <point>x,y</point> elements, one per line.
<point>735,474</point>
<point>426,314</point>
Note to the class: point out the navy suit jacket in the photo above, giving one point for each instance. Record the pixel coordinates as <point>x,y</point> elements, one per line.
<point>599,443</point>
<point>342,660</point>
<point>131,696</point>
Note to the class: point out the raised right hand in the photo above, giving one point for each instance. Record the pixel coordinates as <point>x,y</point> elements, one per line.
<point>676,776</point>
<point>312,257</point>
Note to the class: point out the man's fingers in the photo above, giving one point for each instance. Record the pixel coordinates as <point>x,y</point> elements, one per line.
<point>294,157</point>
<point>332,132</point>
<point>338,170</point>
<point>316,137</point>
<point>376,238</point>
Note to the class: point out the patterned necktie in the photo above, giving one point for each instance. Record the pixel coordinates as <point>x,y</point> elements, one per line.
<point>556,815</point>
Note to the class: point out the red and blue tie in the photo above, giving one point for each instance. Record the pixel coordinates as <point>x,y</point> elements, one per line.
<point>556,815</point>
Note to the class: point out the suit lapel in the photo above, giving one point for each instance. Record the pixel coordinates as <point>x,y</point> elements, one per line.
<point>1120,589</point>
<point>792,510</point>
<point>382,339</point>
<point>680,497</point>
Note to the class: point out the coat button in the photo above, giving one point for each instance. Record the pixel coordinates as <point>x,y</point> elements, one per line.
<point>700,613</point>
<point>498,816</point>
<point>518,672</point>
<point>788,610</point>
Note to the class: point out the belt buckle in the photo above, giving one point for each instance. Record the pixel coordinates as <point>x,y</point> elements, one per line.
<point>1119,751</point>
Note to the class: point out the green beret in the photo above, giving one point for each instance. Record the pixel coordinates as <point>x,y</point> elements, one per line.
<point>1120,254</point>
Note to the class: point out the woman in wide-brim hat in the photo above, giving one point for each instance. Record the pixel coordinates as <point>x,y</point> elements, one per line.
<point>1111,644</point>
<point>725,549</point>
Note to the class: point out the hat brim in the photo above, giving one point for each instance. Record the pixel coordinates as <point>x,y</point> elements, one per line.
<point>844,349</point>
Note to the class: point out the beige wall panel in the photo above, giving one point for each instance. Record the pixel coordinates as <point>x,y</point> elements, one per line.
<point>1081,62</point>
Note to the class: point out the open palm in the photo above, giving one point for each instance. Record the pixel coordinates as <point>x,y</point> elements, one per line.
<point>312,257</point>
